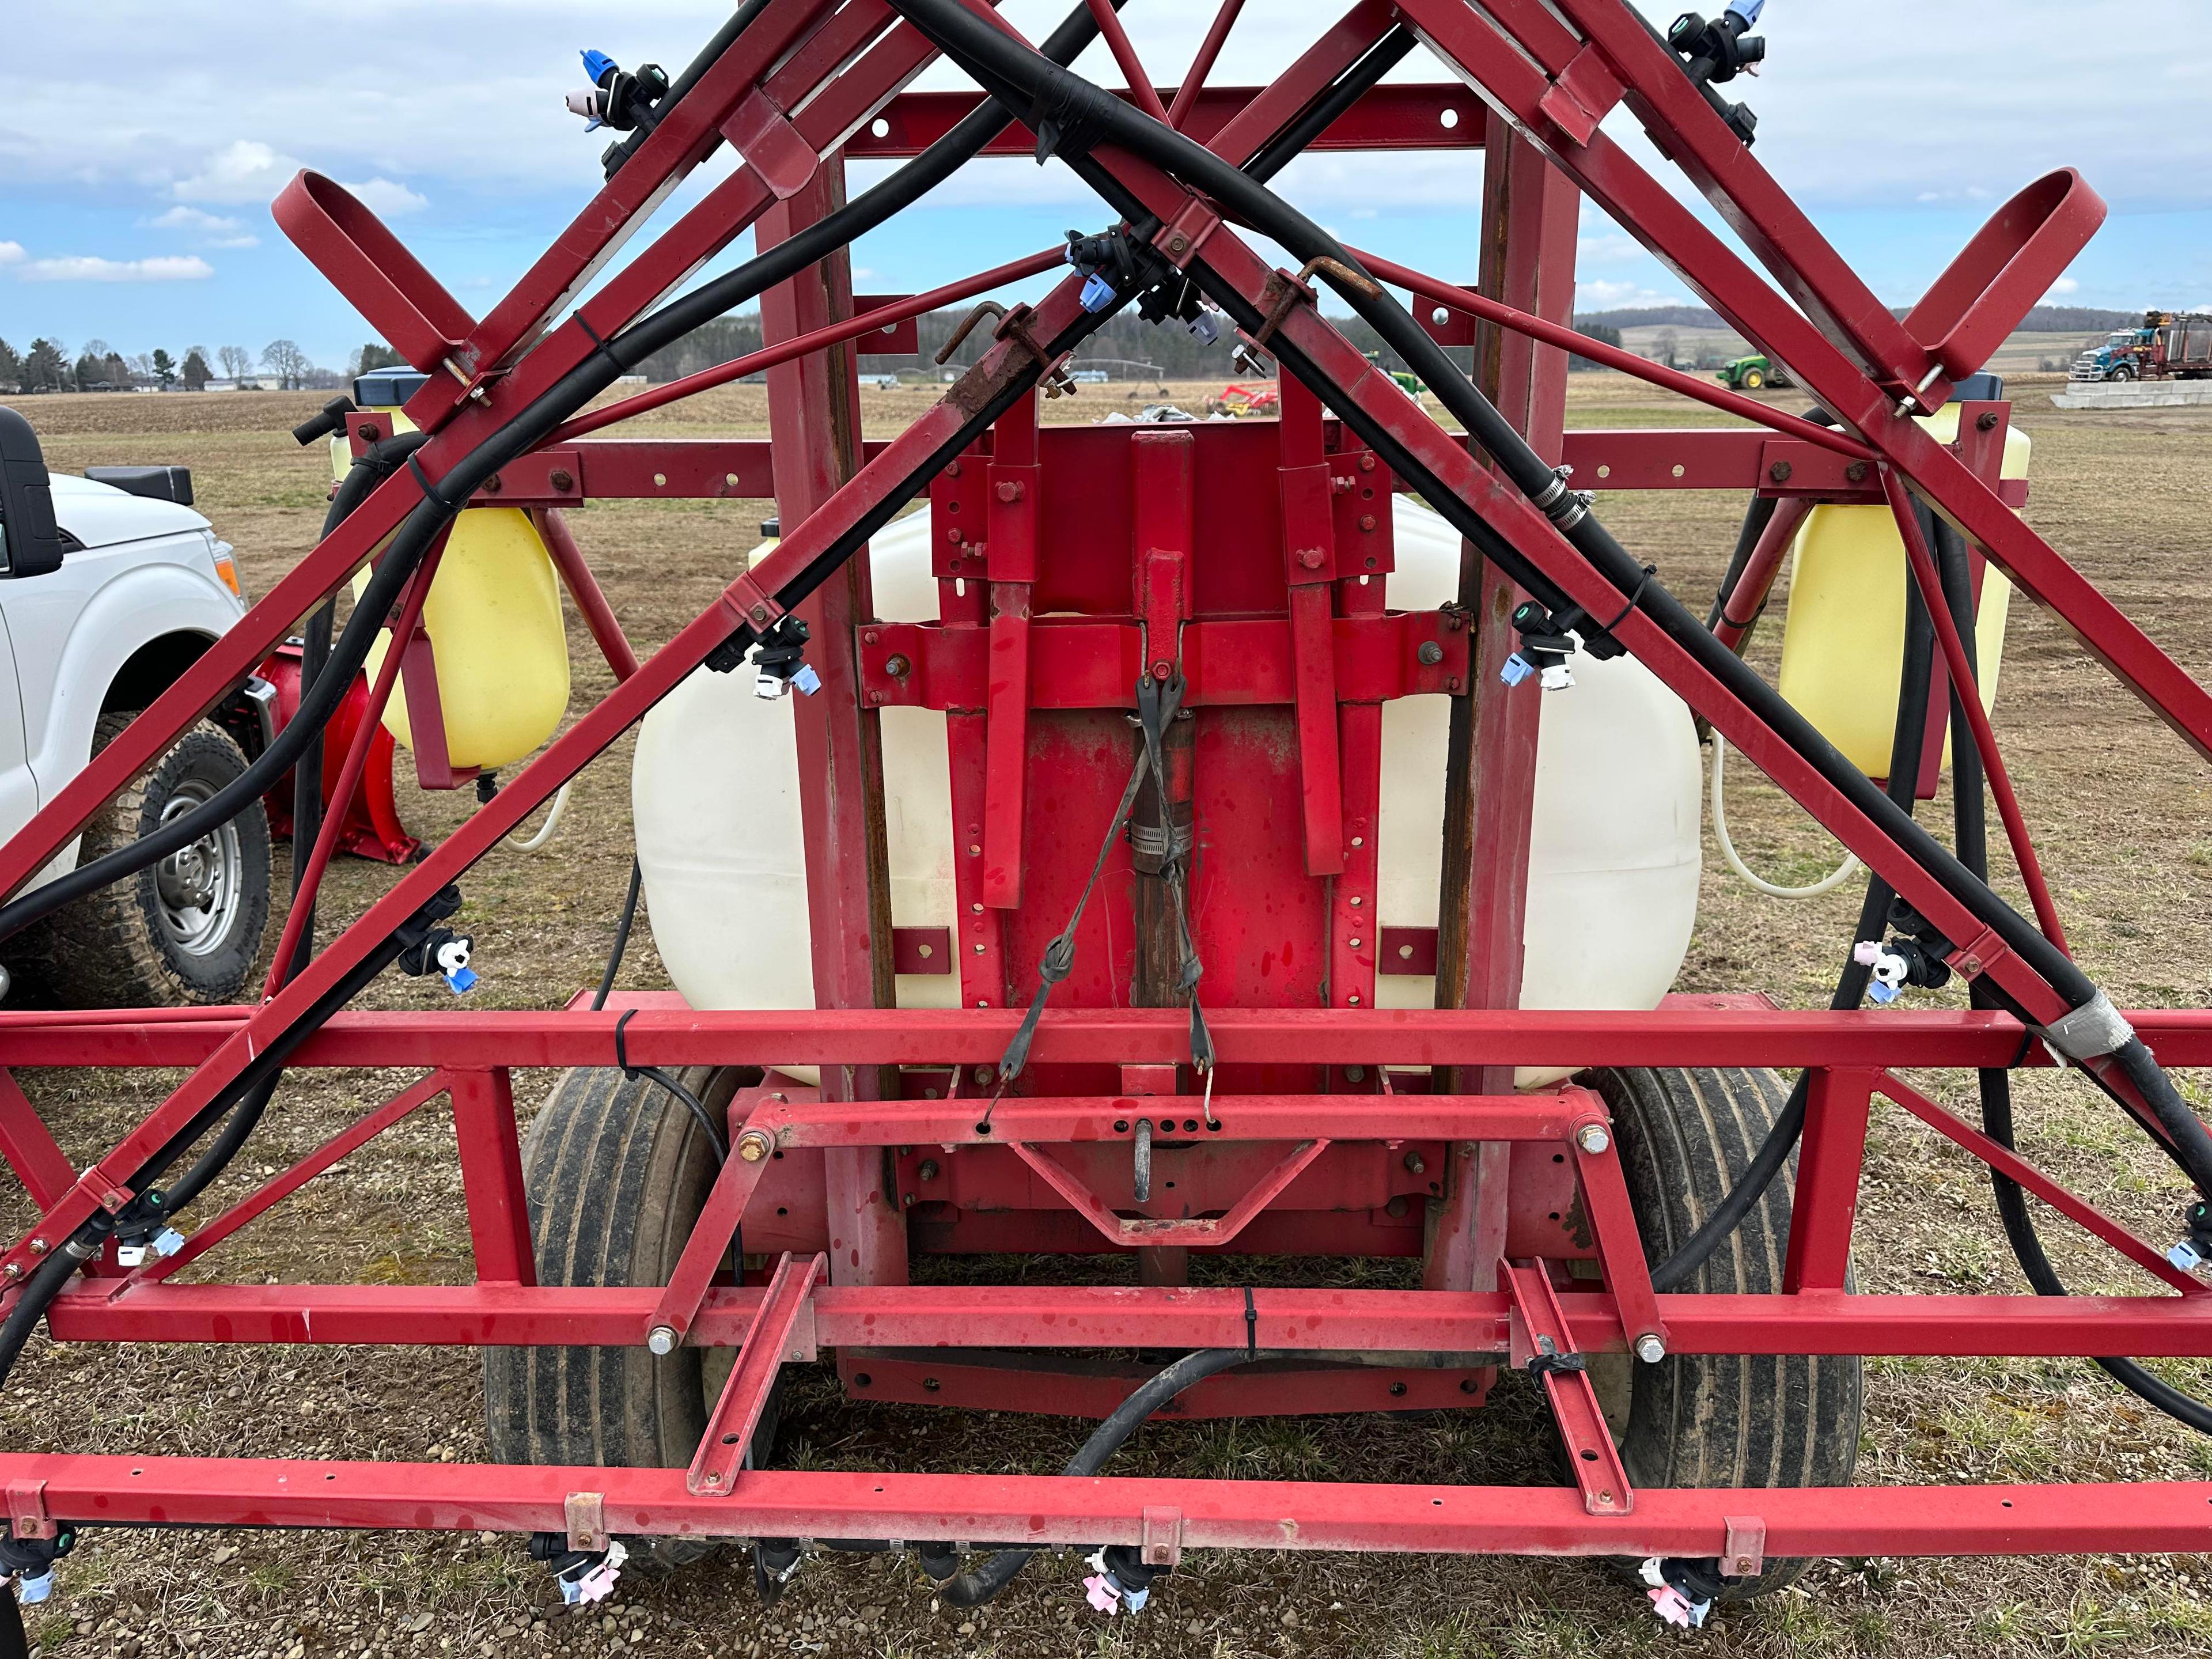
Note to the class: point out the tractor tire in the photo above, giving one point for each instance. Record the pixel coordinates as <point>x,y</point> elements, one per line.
<point>617,1172</point>
<point>1752,380</point>
<point>1719,1419</point>
<point>185,932</point>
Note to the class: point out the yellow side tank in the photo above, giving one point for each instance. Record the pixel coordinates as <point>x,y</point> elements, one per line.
<point>1843,639</point>
<point>496,634</point>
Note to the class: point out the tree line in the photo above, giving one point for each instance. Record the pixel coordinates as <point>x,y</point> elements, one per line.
<point>283,366</point>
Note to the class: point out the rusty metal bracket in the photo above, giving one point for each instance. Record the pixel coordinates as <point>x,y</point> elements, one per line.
<point>1160,1542</point>
<point>587,1520</point>
<point>27,1510</point>
<point>1283,292</point>
<point>1743,1552</point>
<point>1014,325</point>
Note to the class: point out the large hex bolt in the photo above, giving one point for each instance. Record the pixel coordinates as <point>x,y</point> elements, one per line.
<point>1593,1139</point>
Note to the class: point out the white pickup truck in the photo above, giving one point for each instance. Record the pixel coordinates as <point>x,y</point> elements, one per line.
<point>110,588</point>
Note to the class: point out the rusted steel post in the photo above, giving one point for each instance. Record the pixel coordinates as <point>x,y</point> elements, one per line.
<point>1529,221</point>
<point>814,419</point>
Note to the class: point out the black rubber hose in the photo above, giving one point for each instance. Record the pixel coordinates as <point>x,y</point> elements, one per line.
<point>974,1588</point>
<point>622,936</point>
<point>691,1103</point>
<point>1326,111</point>
<point>1076,104</point>
<point>360,481</point>
<point>1971,816</point>
<point>1907,739</point>
<point>1756,517</point>
<point>530,426</point>
<point>307,776</point>
<point>46,1283</point>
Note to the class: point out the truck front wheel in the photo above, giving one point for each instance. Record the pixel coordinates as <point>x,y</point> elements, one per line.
<point>186,930</point>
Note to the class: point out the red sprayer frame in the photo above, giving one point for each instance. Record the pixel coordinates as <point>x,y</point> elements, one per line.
<point>1329,1125</point>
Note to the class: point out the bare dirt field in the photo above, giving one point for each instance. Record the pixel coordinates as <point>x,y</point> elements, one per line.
<point>2124,817</point>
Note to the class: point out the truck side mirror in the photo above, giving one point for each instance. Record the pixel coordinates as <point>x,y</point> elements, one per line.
<point>30,540</point>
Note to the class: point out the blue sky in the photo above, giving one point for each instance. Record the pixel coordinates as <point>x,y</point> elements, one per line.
<point>137,161</point>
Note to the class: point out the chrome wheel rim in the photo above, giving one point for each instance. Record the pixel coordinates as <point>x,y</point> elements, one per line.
<point>199,887</point>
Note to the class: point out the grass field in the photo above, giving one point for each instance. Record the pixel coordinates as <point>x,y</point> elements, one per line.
<point>2124,817</point>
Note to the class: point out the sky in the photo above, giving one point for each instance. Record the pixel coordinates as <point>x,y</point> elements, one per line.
<point>138,163</point>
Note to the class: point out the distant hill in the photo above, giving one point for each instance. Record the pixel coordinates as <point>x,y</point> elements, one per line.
<point>2043,320</point>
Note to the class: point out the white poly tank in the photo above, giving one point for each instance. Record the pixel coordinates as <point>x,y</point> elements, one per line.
<point>1613,859</point>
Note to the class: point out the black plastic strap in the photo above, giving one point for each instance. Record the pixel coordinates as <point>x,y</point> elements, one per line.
<point>1634,598</point>
<point>1251,1327</point>
<point>1069,116</point>
<point>422,482</point>
<point>1548,1360</point>
<point>622,1048</point>
<point>600,347</point>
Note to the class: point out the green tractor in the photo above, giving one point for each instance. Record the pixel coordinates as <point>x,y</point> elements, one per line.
<point>1750,373</point>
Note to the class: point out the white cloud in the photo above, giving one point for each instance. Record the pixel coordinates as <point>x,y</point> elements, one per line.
<point>192,218</point>
<point>245,171</point>
<point>248,172</point>
<point>211,227</point>
<point>387,199</point>
<point>1613,296</point>
<point>2065,285</point>
<point>86,268</point>
<point>1608,249</point>
<point>11,253</point>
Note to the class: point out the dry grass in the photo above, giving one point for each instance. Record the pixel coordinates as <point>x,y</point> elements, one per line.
<point>2124,814</point>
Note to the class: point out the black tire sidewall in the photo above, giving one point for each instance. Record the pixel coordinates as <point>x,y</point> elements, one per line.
<point>217,975</point>
<point>1722,1420</point>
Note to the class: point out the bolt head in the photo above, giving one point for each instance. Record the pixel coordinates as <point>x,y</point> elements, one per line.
<point>752,1146</point>
<point>1310,557</point>
<point>561,478</point>
<point>1780,471</point>
<point>1593,1139</point>
<point>1650,1348</point>
<point>759,613</point>
<point>661,1340</point>
<point>40,1247</point>
<point>1431,654</point>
